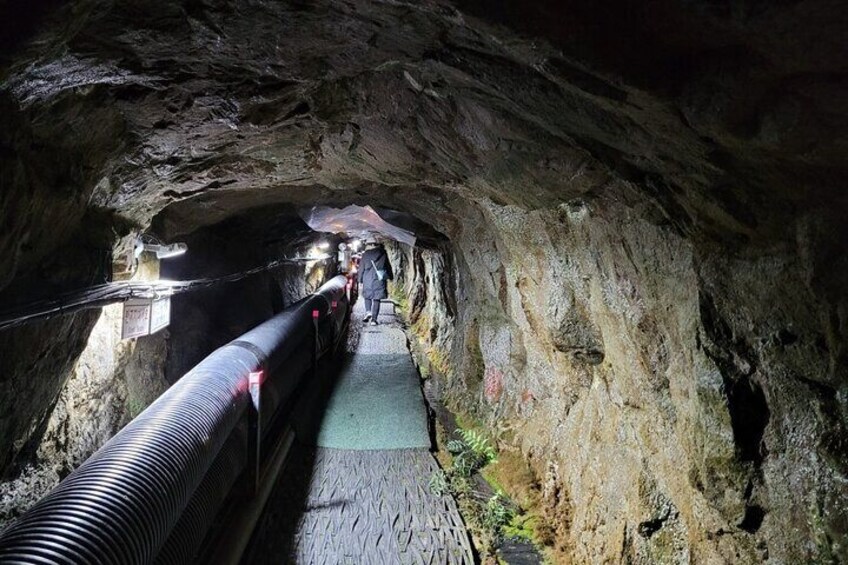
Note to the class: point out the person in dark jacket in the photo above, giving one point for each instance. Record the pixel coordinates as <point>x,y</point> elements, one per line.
<point>375,272</point>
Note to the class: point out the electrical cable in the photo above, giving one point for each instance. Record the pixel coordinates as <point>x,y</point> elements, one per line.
<point>109,293</point>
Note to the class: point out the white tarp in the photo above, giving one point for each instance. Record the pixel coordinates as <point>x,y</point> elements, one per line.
<point>358,221</point>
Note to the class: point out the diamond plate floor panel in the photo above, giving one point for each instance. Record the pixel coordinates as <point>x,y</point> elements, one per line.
<point>354,506</point>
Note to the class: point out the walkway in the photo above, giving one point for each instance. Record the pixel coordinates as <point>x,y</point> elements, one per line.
<point>355,488</point>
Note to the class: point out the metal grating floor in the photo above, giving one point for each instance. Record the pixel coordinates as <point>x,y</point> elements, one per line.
<point>349,504</point>
<point>354,506</point>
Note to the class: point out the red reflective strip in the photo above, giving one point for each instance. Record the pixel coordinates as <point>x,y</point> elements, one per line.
<point>315,314</point>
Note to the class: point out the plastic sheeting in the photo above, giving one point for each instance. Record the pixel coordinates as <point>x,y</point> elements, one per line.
<point>354,220</point>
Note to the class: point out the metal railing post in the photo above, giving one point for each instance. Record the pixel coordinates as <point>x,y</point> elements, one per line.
<point>315,344</point>
<point>333,336</point>
<point>254,426</point>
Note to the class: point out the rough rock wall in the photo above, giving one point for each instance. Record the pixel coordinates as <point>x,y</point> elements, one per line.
<point>210,317</point>
<point>36,359</point>
<point>204,320</point>
<point>674,407</point>
<point>110,383</point>
<point>35,363</point>
<point>705,139</point>
<point>297,281</point>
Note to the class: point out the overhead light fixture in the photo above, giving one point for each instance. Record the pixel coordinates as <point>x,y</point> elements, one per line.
<point>168,251</point>
<point>324,245</point>
<point>161,251</point>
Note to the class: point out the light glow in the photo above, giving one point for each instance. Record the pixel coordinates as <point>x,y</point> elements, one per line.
<point>173,250</point>
<point>161,251</point>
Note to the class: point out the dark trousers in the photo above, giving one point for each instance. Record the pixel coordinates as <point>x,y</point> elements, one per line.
<point>372,306</point>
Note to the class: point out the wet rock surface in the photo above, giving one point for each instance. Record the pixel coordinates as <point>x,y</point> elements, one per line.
<point>640,280</point>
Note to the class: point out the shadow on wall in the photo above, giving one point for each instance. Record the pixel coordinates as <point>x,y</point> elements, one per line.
<point>110,383</point>
<point>204,320</point>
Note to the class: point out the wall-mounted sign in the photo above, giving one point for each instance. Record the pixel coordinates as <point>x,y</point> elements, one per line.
<point>160,314</point>
<point>145,316</point>
<point>136,319</point>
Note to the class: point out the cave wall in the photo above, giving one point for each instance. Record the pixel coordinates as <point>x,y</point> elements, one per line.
<point>110,382</point>
<point>35,359</point>
<point>35,363</point>
<point>645,283</point>
<point>207,318</point>
<point>298,280</point>
<point>673,407</point>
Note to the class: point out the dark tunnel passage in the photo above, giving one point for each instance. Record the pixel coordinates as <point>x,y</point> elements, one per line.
<point>627,279</point>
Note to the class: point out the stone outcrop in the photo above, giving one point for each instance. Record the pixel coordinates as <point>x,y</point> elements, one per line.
<point>665,393</point>
<point>635,266</point>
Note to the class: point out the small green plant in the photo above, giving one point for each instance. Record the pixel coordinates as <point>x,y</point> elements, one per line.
<point>497,515</point>
<point>480,446</point>
<point>462,487</point>
<point>471,453</point>
<point>456,446</point>
<point>439,483</point>
<point>491,515</point>
<point>464,463</point>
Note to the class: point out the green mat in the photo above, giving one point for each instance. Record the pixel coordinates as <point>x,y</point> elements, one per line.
<point>376,404</point>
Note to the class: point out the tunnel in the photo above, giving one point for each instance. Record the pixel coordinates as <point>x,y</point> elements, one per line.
<point>615,330</point>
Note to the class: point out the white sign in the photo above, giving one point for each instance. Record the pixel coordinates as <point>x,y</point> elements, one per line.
<point>136,319</point>
<point>145,316</point>
<point>160,315</point>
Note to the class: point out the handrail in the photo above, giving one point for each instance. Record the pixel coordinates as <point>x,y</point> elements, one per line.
<point>122,504</point>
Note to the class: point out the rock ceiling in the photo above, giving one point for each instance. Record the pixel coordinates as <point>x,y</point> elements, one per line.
<point>216,107</point>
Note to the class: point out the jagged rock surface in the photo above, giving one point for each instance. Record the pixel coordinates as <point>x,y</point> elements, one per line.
<point>666,396</point>
<point>643,268</point>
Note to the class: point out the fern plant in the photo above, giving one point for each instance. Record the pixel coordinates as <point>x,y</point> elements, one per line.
<point>439,483</point>
<point>497,514</point>
<point>455,446</point>
<point>464,463</point>
<point>480,445</point>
